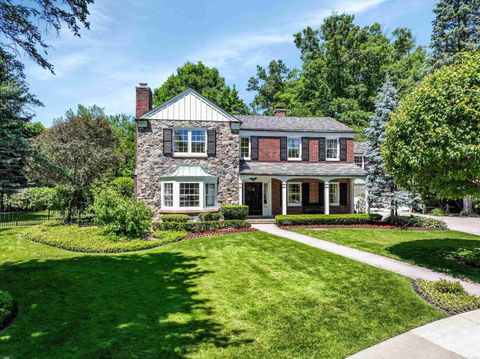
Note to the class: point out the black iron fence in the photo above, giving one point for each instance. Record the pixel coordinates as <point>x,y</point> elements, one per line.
<point>24,218</point>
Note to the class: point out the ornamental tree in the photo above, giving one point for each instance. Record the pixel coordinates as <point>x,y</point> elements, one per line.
<point>382,191</point>
<point>433,139</point>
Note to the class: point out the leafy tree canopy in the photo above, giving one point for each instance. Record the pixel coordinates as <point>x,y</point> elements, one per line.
<point>206,81</point>
<point>433,142</point>
<point>23,23</point>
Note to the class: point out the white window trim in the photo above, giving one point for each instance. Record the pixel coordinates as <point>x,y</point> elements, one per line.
<point>249,148</point>
<point>189,143</point>
<point>176,195</point>
<point>288,194</point>
<point>363,161</point>
<point>337,184</point>
<point>299,158</point>
<point>338,149</point>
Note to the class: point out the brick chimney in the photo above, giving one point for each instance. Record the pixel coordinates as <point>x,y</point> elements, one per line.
<point>143,99</point>
<point>280,112</point>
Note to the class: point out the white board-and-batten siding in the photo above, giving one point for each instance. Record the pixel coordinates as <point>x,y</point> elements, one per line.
<point>189,106</point>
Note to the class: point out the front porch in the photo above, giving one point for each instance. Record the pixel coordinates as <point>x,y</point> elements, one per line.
<point>270,196</point>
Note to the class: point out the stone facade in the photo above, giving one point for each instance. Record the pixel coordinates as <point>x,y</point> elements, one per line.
<point>152,164</point>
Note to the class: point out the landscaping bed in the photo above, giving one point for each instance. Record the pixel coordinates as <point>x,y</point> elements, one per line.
<point>219,232</point>
<point>373,225</point>
<point>8,309</point>
<point>91,239</point>
<point>201,226</point>
<point>450,297</point>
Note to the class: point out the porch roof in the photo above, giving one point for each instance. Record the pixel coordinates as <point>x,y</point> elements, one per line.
<point>301,169</point>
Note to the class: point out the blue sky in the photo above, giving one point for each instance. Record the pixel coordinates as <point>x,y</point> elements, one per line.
<point>134,41</point>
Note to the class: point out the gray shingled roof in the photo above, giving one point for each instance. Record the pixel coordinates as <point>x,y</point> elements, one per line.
<point>307,124</point>
<point>301,169</point>
<point>360,147</point>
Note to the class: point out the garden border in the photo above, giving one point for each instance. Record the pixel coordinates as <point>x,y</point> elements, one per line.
<point>376,226</point>
<point>219,232</point>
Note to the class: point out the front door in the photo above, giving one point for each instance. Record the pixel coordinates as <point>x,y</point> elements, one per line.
<point>253,198</point>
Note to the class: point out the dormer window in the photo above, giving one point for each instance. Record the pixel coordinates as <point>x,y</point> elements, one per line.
<point>333,149</point>
<point>190,142</point>
<point>294,149</point>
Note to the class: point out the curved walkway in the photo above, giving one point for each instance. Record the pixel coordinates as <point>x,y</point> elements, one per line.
<point>453,337</point>
<point>392,265</point>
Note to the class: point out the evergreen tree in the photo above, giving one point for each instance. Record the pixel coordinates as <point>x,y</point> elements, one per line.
<point>456,28</point>
<point>382,191</point>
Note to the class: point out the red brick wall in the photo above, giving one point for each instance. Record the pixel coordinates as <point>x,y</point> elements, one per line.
<point>269,149</point>
<point>313,150</point>
<point>350,150</point>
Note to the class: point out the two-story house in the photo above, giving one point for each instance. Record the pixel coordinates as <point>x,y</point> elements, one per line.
<point>192,156</point>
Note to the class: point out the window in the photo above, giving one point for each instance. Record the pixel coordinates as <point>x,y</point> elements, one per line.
<point>210,194</point>
<point>294,148</point>
<point>332,149</point>
<point>189,194</point>
<point>358,161</point>
<point>190,142</point>
<point>295,194</point>
<point>245,148</point>
<point>168,194</point>
<point>334,194</point>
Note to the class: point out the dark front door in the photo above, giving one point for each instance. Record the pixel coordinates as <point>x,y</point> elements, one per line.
<point>305,193</point>
<point>253,198</point>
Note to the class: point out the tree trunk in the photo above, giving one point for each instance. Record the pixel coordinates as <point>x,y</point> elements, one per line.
<point>467,205</point>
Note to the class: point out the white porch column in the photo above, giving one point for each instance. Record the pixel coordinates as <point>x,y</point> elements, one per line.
<point>284,197</point>
<point>367,204</point>
<point>240,191</point>
<point>352,195</point>
<point>326,199</point>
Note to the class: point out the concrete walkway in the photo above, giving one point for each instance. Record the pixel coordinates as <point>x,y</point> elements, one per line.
<point>449,338</point>
<point>463,224</point>
<point>375,260</point>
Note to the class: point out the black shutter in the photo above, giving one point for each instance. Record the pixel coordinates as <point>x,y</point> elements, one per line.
<point>283,149</point>
<point>343,194</point>
<point>321,193</point>
<point>305,149</point>
<point>167,142</point>
<point>305,193</point>
<point>343,149</point>
<point>211,143</point>
<point>254,148</point>
<point>322,156</point>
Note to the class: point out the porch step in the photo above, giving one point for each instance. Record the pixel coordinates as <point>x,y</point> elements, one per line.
<point>261,220</point>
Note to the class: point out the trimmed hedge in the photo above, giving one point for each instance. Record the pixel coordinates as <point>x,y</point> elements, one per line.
<point>7,307</point>
<point>195,227</point>
<point>417,221</point>
<point>175,218</point>
<point>307,219</point>
<point>448,296</point>
<point>234,211</point>
<point>210,216</point>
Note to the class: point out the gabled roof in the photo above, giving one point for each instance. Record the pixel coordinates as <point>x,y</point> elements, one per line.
<point>304,124</point>
<point>189,105</point>
<point>189,171</point>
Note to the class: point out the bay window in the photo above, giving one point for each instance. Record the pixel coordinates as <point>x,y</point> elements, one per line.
<point>294,194</point>
<point>190,142</point>
<point>294,150</point>
<point>168,194</point>
<point>334,194</point>
<point>332,149</point>
<point>210,194</point>
<point>190,195</point>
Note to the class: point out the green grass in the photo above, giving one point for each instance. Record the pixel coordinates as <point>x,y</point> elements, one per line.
<point>248,295</point>
<point>431,249</point>
<point>91,239</point>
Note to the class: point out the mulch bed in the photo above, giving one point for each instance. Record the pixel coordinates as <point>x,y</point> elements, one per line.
<point>9,320</point>
<point>218,232</point>
<point>376,226</point>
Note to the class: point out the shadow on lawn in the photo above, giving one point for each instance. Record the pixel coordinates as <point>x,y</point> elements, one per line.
<point>110,306</point>
<point>436,254</point>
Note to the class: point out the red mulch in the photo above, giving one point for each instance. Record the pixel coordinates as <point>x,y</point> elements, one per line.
<point>377,226</point>
<point>218,232</point>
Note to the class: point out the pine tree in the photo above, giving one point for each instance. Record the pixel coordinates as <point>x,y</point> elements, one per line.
<point>382,191</point>
<point>456,28</point>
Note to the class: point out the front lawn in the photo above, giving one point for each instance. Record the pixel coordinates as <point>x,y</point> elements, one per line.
<point>248,295</point>
<point>436,250</point>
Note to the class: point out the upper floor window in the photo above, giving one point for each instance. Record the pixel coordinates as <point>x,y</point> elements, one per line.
<point>245,148</point>
<point>359,161</point>
<point>190,142</point>
<point>294,149</point>
<point>333,149</point>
